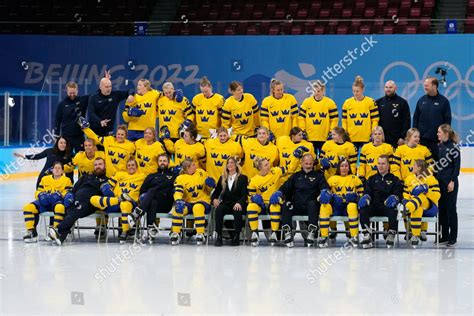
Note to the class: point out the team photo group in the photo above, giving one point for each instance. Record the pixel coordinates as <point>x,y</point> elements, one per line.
<point>210,156</point>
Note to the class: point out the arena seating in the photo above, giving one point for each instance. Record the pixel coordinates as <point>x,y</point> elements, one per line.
<point>322,17</point>
<point>72,17</point>
<point>469,24</point>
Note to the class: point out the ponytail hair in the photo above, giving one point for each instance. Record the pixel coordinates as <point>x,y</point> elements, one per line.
<point>273,83</point>
<point>452,135</point>
<point>204,82</point>
<point>342,132</point>
<point>359,82</point>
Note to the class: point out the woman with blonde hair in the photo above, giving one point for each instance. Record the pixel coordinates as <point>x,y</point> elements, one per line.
<point>279,111</point>
<point>371,152</point>
<point>318,116</point>
<point>448,173</point>
<point>147,151</point>
<point>359,114</point>
<point>143,111</point>
<point>230,197</point>
<point>405,155</point>
<point>420,199</point>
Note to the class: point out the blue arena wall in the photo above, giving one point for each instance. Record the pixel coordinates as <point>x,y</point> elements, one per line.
<point>407,59</point>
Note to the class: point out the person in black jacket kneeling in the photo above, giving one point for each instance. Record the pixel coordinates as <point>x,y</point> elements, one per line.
<point>382,193</point>
<point>230,197</point>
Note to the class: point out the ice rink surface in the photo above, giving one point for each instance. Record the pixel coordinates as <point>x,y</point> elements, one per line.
<point>84,277</point>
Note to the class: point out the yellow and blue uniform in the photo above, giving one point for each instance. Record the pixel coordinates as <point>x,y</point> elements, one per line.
<point>417,205</point>
<point>334,152</point>
<point>266,186</point>
<point>279,115</point>
<point>369,156</point>
<point>404,159</point>
<point>340,186</point>
<point>207,112</point>
<point>183,151</point>
<point>49,185</point>
<point>116,154</point>
<point>148,103</point>
<point>84,164</point>
<point>286,147</point>
<point>242,116</point>
<point>252,149</point>
<point>194,191</point>
<point>217,154</point>
<point>124,182</point>
<point>318,118</point>
<point>359,118</point>
<point>147,155</point>
<point>172,114</point>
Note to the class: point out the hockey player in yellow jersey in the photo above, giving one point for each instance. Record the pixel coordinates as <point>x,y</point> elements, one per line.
<point>279,111</point>
<point>371,152</point>
<point>187,147</point>
<point>262,199</point>
<point>84,160</point>
<point>147,151</point>
<point>174,110</point>
<point>118,149</point>
<point>257,147</point>
<point>346,189</point>
<point>421,195</point>
<point>286,146</point>
<point>405,155</point>
<point>359,114</point>
<point>49,196</point>
<point>335,149</point>
<point>143,111</point>
<point>207,107</point>
<point>318,116</point>
<point>240,111</point>
<point>192,194</point>
<point>125,196</point>
<point>218,150</point>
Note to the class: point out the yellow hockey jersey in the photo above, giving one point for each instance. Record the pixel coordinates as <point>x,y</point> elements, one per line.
<point>217,154</point>
<point>341,185</point>
<point>49,184</point>
<point>369,156</point>
<point>334,152</point>
<point>359,118</point>
<point>412,181</point>
<point>279,115</point>
<point>128,183</point>
<point>147,103</point>
<point>116,154</point>
<point>207,112</point>
<point>318,118</point>
<point>84,165</point>
<point>404,159</point>
<point>266,185</point>
<point>252,149</point>
<point>242,116</point>
<point>147,155</point>
<point>181,151</point>
<point>286,147</point>
<point>192,188</point>
<point>172,114</point>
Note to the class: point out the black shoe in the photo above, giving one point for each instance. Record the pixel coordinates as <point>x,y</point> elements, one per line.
<point>235,239</point>
<point>442,241</point>
<point>56,237</point>
<point>31,236</point>
<point>218,242</point>
<point>451,244</point>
